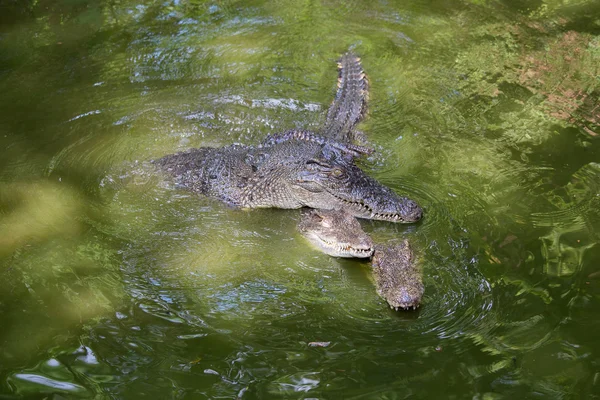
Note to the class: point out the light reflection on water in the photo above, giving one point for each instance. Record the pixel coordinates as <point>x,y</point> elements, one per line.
<point>128,286</point>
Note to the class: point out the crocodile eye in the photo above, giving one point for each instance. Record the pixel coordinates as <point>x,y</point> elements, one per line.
<point>337,172</point>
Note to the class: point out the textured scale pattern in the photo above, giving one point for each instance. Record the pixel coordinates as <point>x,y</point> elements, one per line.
<point>242,176</point>
<point>336,233</point>
<point>350,103</point>
<point>397,276</point>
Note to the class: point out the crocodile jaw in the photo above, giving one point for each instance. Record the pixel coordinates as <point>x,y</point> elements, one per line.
<point>400,209</point>
<point>336,249</point>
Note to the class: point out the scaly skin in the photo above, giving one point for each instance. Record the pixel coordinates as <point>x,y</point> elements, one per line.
<point>350,103</point>
<point>397,276</point>
<point>300,168</point>
<point>336,233</point>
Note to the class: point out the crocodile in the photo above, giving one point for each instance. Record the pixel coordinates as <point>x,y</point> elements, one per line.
<point>336,233</point>
<point>298,168</point>
<point>397,276</point>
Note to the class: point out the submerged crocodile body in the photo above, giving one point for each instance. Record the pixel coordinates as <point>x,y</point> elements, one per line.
<point>298,168</point>
<point>397,276</point>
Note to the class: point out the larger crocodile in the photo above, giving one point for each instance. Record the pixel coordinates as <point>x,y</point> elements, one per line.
<point>298,168</point>
<point>301,168</point>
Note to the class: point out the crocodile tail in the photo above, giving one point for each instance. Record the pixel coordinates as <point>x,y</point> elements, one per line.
<point>307,136</point>
<point>350,101</point>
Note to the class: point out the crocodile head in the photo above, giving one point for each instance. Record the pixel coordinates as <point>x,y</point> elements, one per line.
<point>397,277</point>
<point>336,233</point>
<point>331,180</point>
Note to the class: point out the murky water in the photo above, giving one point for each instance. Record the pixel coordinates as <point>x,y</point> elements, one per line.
<point>117,285</point>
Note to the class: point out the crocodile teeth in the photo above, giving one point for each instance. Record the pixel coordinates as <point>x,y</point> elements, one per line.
<point>373,215</point>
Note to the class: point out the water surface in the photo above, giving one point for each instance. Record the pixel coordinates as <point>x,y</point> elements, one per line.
<point>118,285</point>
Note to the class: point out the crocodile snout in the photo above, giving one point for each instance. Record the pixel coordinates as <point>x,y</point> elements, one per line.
<point>412,211</point>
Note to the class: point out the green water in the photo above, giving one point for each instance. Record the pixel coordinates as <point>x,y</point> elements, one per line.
<point>117,285</point>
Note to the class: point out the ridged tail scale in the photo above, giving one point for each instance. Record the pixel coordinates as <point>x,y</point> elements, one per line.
<point>306,136</point>
<point>350,101</point>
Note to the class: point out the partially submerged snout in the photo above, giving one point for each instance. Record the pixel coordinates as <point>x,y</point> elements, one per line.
<point>397,276</point>
<point>336,233</point>
<point>404,297</point>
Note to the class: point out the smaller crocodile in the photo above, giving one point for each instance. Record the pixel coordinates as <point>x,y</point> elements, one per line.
<point>398,278</point>
<point>336,233</point>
